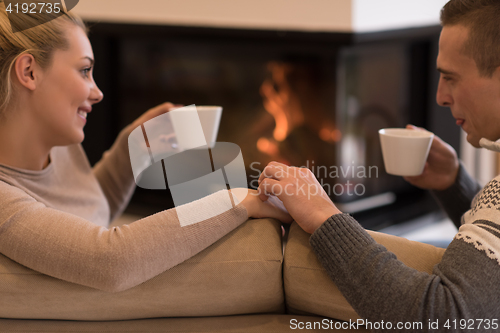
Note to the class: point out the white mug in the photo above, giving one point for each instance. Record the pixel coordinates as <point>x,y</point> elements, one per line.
<point>404,150</point>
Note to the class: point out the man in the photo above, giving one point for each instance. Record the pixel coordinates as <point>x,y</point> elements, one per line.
<point>464,285</point>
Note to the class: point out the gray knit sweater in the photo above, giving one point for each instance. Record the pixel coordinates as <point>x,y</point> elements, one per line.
<point>460,295</point>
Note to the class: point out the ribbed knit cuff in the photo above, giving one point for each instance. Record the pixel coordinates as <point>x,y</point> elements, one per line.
<point>339,239</point>
<point>222,203</point>
<point>456,199</point>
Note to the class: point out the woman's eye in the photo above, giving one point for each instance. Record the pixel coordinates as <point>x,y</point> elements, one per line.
<point>86,71</point>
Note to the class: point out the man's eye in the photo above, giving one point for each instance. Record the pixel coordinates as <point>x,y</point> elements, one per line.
<point>446,77</point>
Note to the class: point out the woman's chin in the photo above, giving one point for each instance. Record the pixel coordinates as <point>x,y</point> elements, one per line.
<point>75,138</point>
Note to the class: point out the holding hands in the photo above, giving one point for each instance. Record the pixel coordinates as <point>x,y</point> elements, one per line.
<point>301,194</point>
<point>256,208</point>
<point>303,199</point>
<point>309,205</point>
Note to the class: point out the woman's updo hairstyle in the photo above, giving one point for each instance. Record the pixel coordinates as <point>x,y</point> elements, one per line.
<point>40,41</point>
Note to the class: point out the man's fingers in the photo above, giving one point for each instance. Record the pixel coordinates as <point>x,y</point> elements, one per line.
<point>413,127</point>
<point>273,170</point>
<point>412,179</point>
<point>279,164</point>
<point>418,179</point>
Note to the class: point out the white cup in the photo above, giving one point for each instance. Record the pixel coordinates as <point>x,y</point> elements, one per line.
<point>209,118</point>
<point>405,151</point>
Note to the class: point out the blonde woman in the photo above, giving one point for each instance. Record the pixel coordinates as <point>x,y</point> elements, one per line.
<point>55,208</point>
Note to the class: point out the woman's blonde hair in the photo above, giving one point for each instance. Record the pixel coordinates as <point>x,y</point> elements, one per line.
<point>40,41</point>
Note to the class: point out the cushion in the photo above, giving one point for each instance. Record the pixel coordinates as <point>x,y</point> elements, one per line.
<point>309,289</point>
<point>239,274</point>
<point>233,324</point>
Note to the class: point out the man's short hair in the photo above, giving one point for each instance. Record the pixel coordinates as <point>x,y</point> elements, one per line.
<point>482,17</point>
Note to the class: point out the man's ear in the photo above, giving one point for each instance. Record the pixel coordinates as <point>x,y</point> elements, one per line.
<point>24,69</point>
<point>496,73</point>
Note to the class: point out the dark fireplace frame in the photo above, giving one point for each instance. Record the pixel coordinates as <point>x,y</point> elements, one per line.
<point>104,122</point>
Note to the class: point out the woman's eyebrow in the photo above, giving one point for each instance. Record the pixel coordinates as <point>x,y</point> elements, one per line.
<point>90,59</point>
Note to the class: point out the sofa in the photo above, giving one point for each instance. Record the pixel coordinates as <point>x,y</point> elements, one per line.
<point>249,281</point>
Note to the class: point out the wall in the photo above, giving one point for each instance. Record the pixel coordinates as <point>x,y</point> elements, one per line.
<point>310,15</point>
<point>305,15</point>
<point>373,15</point>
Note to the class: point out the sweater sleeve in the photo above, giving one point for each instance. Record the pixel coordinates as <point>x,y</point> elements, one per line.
<point>114,174</point>
<point>379,287</point>
<point>457,199</point>
<point>71,248</point>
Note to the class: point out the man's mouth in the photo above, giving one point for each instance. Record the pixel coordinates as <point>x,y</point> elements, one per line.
<point>460,122</point>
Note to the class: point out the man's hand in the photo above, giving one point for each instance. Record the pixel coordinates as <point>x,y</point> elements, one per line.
<point>300,192</point>
<point>441,168</point>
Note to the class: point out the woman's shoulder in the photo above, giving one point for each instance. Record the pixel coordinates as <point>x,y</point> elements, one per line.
<point>12,195</point>
<point>68,175</point>
<point>69,161</point>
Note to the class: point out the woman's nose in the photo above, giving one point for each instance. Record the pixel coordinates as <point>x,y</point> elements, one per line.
<point>96,94</point>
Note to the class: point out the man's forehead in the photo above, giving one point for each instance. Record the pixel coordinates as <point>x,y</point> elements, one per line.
<point>452,39</point>
<point>452,57</point>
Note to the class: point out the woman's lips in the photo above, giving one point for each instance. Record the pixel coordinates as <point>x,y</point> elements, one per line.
<point>82,115</point>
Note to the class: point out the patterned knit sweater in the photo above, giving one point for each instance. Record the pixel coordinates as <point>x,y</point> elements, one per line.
<point>463,286</point>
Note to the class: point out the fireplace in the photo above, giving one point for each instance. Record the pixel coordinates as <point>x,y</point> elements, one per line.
<point>305,99</point>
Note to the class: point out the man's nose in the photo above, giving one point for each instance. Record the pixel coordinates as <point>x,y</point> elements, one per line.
<point>443,97</point>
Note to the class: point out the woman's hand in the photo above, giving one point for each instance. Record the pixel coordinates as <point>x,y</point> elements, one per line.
<point>257,208</point>
<point>299,190</point>
<point>154,112</point>
<point>441,168</point>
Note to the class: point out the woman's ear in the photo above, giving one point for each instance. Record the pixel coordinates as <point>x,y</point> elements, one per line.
<point>24,69</point>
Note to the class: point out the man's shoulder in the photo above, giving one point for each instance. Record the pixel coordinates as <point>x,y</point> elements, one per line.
<point>481,227</point>
<point>488,197</point>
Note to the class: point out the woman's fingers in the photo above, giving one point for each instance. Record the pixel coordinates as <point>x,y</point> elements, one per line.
<point>160,109</point>
<point>155,112</point>
<point>269,187</point>
<point>277,210</point>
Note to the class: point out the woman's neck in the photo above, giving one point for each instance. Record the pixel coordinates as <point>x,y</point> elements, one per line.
<point>21,146</point>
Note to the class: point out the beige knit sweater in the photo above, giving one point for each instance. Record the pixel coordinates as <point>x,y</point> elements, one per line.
<point>55,221</point>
